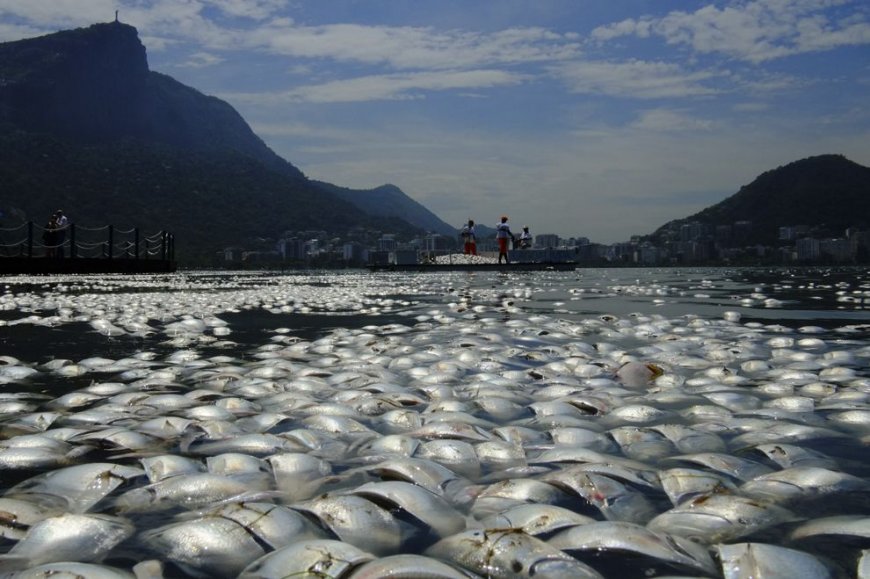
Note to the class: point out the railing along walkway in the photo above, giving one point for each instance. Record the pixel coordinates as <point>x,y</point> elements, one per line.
<point>32,247</point>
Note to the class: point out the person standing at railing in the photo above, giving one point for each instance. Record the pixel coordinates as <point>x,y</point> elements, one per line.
<point>62,223</point>
<point>49,237</point>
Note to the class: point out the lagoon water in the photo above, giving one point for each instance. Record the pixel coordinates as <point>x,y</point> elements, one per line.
<point>726,408</point>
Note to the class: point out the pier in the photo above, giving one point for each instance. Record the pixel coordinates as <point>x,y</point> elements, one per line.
<point>78,249</point>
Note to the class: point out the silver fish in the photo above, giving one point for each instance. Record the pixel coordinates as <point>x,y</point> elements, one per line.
<point>763,561</point>
<point>17,516</point>
<point>357,521</point>
<point>620,537</point>
<point>67,537</point>
<point>842,525</point>
<point>801,481</point>
<point>71,570</point>
<point>298,475</point>
<point>614,500</point>
<point>315,558</point>
<point>224,541</point>
<point>408,566</point>
<point>427,507</point>
<point>508,553</point>
<point>191,491</point>
<point>682,484</point>
<point>81,486</point>
<point>719,517</point>
<point>536,519</point>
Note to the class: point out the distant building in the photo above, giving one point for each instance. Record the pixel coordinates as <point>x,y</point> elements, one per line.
<point>291,249</point>
<point>837,249</point>
<point>233,254</point>
<point>435,242</point>
<point>545,240</point>
<point>353,252</point>
<point>387,243</point>
<point>807,249</point>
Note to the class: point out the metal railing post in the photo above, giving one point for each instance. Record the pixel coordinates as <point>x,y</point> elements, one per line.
<point>72,240</point>
<point>111,241</point>
<point>30,239</point>
<point>136,233</point>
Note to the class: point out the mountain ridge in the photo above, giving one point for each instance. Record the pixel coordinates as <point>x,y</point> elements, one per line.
<point>89,96</point>
<point>826,193</point>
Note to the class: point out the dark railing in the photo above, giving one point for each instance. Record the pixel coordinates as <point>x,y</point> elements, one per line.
<point>30,240</point>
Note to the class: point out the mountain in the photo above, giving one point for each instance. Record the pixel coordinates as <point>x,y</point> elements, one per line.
<point>390,201</point>
<point>826,194</point>
<point>86,126</point>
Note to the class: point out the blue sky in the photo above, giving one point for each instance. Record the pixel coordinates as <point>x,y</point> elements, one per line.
<point>593,118</point>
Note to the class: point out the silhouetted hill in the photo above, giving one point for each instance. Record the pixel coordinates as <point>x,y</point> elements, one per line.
<point>84,124</point>
<point>390,201</point>
<point>826,193</point>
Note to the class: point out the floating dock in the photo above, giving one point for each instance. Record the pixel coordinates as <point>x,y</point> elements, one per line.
<point>26,249</point>
<point>504,267</point>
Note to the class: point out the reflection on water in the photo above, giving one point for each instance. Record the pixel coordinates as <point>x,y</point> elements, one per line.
<point>499,377</point>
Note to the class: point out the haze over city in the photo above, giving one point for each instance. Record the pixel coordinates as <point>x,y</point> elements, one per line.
<point>595,118</point>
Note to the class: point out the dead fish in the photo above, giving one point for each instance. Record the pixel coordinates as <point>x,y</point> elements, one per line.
<point>192,491</point>
<point>407,566</point>
<point>315,558</point>
<point>458,455</point>
<point>72,570</point>
<point>763,561</point>
<point>67,537</point>
<point>222,542</point>
<point>81,486</point>
<point>839,526</point>
<point>611,498</point>
<point>733,466</point>
<point>508,553</point>
<point>432,476</point>
<point>165,466</point>
<point>357,521</point>
<point>682,484</point>
<point>429,508</point>
<point>617,539</point>
<point>635,374</point>
<point>508,493</point>
<point>719,517</point>
<point>17,516</point>
<point>536,519</point>
<point>299,475</point>
<point>790,455</point>
<point>801,482</point>
<point>254,444</point>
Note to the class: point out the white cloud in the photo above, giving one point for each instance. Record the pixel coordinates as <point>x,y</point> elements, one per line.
<point>201,59</point>
<point>384,87</point>
<point>670,121</point>
<point>634,79</point>
<point>410,47</point>
<point>253,9</point>
<point>754,31</point>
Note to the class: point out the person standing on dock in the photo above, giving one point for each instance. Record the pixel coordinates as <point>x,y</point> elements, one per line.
<point>502,236</point>
<point>525,238</point>
<point>62,223</point>
<point>49,237</point>
<point>469,238</point>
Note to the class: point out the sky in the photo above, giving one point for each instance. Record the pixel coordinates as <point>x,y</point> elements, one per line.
<point>595,118</point>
